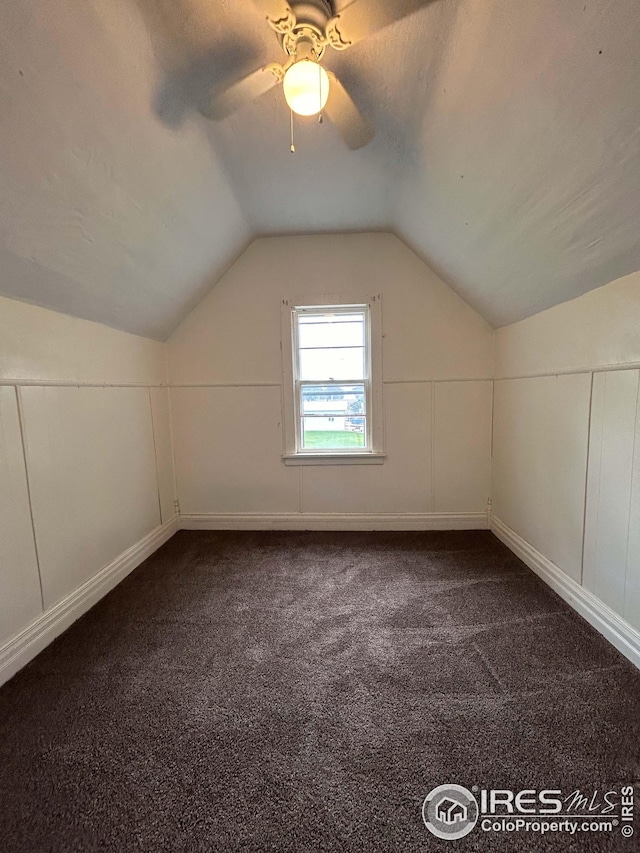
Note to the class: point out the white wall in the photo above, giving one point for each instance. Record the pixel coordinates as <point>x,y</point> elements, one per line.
<point>85,460</point>
<point>37,345</point>
<point>597,331</point>
<point>225,370</point>
<point>566,468</point>
<point>540,461</point>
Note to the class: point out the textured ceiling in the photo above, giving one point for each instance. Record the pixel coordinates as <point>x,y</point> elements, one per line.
<point>507,151</point>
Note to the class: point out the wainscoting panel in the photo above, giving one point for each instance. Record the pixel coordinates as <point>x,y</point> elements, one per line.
<point>609,486</point>
<point>20,599</point>
<point>164,452</point>
<point>540,441</point>
<point>462,446</point>
<point>92,474</point>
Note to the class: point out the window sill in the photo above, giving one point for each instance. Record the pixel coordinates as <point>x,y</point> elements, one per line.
<point>368,458</point>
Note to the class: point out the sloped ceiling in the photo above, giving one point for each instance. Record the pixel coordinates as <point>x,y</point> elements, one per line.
<point>109,210</point>
<point>507,151</point>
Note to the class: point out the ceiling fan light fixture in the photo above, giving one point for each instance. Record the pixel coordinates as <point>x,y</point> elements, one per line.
<point>306,87</point>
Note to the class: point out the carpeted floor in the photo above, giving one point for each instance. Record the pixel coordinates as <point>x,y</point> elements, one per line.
<point>304,692</point>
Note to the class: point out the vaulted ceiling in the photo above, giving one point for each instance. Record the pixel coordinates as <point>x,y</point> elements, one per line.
<point>507,151</point>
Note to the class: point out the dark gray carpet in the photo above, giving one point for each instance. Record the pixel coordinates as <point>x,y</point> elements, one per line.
<point>304,692</point>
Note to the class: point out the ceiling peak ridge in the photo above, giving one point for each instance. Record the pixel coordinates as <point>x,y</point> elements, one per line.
<point>324,232</point>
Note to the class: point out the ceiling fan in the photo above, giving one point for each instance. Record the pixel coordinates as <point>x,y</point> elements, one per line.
<point>305,28</point>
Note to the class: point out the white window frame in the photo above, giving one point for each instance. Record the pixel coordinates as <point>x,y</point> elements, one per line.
<point>294,453</point>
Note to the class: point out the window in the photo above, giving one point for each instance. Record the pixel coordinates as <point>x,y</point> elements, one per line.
<point>333,410</point>
<point>331,371</point>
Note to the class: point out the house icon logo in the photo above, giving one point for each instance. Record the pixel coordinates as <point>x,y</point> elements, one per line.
<point>450,811</point>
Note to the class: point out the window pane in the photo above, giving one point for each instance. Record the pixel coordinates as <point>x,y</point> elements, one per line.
<point>338,401</point>
<point>341,433</point>
<point>332,363</point>
<point>330,330</point>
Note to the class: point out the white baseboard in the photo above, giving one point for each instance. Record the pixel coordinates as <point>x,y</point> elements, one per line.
<point>43,630</point>
<point>336,521</point>
<point>615,629</point>
<point>36,636</point>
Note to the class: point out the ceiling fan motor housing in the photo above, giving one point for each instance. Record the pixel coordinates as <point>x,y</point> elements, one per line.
<point>311,18</point>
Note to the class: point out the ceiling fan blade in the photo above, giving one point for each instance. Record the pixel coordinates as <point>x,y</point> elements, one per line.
<point>244,91</point>
<point>340,109</point>
<point>363,17</point>
<point>278,13</point>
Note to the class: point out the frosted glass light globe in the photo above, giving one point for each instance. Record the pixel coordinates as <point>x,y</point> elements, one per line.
<point>306,87</point>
